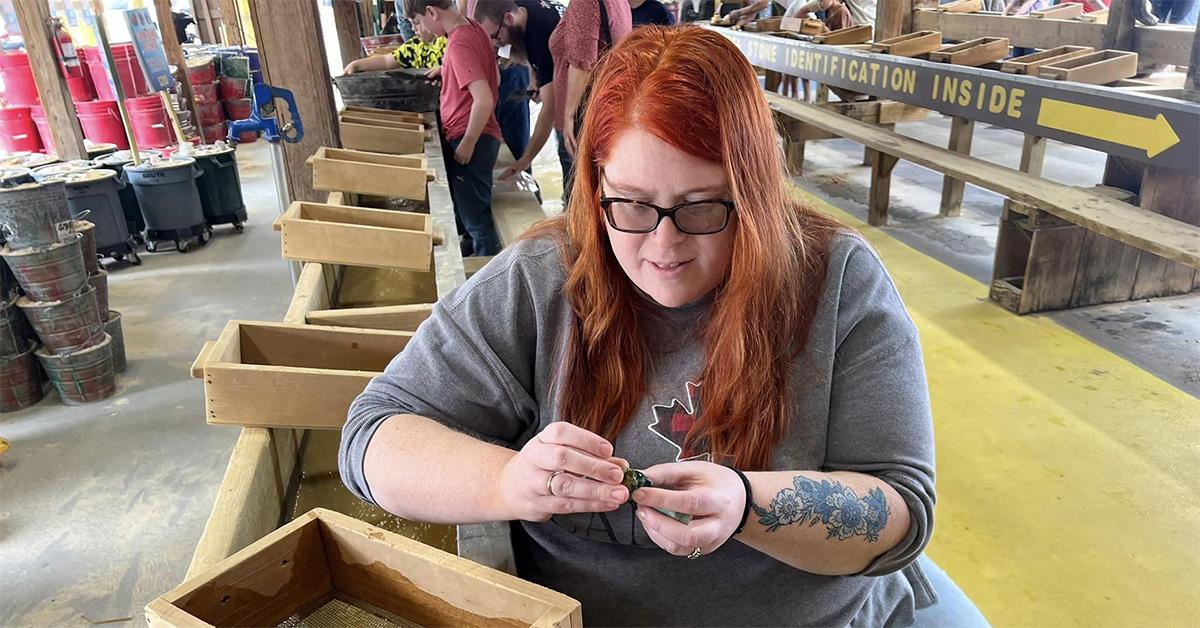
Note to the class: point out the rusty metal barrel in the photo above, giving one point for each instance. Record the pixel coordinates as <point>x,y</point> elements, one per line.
<point>49,273</point>
<point>99,283</point>
<point>20,381</point>
<point>34,214</point>
<point>81,376</point>
<point>66,325</point>
<point>113,329</point>
<point>87,245</point>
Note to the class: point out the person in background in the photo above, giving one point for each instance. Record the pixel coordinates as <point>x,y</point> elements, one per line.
<point>1176,11</point>
<point>424,50</point>
<point>587,30</point>
<point>650,12</point>
<point>1090,6</point>
<point>512,110</point>
<point>861,11</point>
<point>469,128</point>
<point>526,26</point>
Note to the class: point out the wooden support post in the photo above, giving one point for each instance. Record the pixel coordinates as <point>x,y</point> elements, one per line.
<point>961,132</point>
<point>174,52</point>
<point>867,157</point>
<point>894,17</point>
<point>298,63</point>
<point>795,156</point>
<point>1191,86</point>
<point>209,34</point>
<point>38,32</point>
<point>1177,195</point>
<point>881,187</point>
<point>345,20</point>
<point>370,24</point>
<point>1120,30</point>
<point>231,20</point>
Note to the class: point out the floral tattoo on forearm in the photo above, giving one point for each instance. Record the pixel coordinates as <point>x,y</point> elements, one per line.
<point>833,504</point>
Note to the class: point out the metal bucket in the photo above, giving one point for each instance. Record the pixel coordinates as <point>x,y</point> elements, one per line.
<point>68,325</point>
<point>84,375</point>
<point>49,273</point>
<point>113,329</point>
<point>87,244</point>
<point>99,283</point>
<point>20,382</point>
<point>34,214</point>
<point>14,329</point>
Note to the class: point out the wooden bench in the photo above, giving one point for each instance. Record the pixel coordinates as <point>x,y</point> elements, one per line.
<point>1173,243</point>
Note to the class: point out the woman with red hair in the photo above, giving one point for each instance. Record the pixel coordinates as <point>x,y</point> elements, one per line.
<point>687,317</point>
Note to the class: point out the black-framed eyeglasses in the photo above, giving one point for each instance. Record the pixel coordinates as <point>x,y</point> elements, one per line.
<point>693,217</point>
<point>496,35</point>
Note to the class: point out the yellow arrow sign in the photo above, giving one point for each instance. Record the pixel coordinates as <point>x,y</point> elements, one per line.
<point>1153,135</point>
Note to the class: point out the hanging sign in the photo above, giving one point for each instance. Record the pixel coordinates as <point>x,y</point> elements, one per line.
<point>148,45</point>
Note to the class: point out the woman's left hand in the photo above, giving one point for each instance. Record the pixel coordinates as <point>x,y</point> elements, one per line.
<point>712,494</point>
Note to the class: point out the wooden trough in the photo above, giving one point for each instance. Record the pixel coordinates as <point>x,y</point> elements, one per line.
<point>325,568</point>
<point>275,474</point>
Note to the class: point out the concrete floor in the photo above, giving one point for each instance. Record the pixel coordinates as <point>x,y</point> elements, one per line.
<point>101,505</point>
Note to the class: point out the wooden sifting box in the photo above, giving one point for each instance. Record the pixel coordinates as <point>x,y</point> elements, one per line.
<point>339,170</point>
<point>1095,68</point>
<point>973,53</point>
<point>389,114</point>
<point>910,45</point>
<point>286,375</point>
<point>1029,64</point>
<point>356,236</point>
<point>398,137</point>
<point>327,569</point>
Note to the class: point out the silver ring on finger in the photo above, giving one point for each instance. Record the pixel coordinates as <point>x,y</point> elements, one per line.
<point>695,554</point>
<point>550,483</point>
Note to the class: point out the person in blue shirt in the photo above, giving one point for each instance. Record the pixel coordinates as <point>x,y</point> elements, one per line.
<point>650,12</point>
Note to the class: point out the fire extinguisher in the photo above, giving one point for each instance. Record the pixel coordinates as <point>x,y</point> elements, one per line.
<point>66,50</point>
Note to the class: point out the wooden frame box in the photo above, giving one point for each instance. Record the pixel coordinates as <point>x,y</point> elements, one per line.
<point>1096,68</point>
<point>973,53</point>
<point>1068,11</point>
<point>910,45</point>
<point>332,569</point>
<point>388,114</point>
<point>846,36</point>
<point>381,136</point>
<point>803,26</point>
<point>961,6</point>
<point>1029,64</point>
<point>393,317</point>
<point>339,170</point>
<point>356,236</point>
<point>283,375</point>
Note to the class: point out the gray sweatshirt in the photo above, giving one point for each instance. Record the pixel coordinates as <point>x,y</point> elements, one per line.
<point>485,363</point>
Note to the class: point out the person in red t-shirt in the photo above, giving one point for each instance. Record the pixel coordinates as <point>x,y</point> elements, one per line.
<point>471,135</point>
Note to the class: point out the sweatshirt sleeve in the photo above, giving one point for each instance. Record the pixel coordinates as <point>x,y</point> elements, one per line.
<point>470,366</point>
<point>880,422</point>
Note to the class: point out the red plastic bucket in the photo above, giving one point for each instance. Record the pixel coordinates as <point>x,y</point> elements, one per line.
<point>210,113</point>
<point>128,70</point>
<point>239,109</point>
<point>43,127</point>
<point>151,124</point>
<point>80,87</point>
<point>17,130</point>
<point>19,88</point>
<point>101,122</point>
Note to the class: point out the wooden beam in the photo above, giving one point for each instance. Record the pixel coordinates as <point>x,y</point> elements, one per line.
<point>961,131</point>
<point>1191,85</point>
<point>1119,31</point>
<point>393,317</point>
<point>38,32</point>
<point>1177,195</point>
<point>174,51</point>
<point>1147,231</point>
<point>345,21</point>
<point>893,19</point>
<point>298,63</point>
<point>231,21</point>
<point>881,187</point>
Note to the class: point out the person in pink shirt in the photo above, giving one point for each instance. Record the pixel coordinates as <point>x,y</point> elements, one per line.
<point>469,129</point>
<point>587,30</point>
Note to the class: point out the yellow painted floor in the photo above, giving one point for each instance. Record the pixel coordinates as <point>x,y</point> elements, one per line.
<point>1068,478</point>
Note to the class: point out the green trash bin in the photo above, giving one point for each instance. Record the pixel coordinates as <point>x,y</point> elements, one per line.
<point>219,184</point>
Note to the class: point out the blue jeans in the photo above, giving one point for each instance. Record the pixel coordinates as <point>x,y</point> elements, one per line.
<point>512,108</point>
<point>953,607</point>
<point>471,192</point>
<point>567,161</point>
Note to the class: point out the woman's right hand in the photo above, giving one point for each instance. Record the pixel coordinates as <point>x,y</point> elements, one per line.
<point>564,469</point>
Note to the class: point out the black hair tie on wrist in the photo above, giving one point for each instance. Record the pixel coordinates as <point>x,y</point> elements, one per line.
<point>749,495</point>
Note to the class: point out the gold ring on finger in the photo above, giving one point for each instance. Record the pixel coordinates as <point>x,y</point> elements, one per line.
<point>550,483</point>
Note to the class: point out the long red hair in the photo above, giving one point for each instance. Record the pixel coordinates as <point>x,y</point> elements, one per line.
<point>694,90</point>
